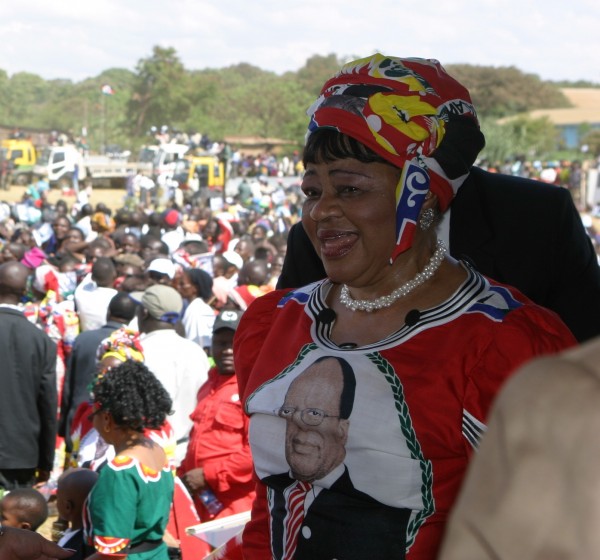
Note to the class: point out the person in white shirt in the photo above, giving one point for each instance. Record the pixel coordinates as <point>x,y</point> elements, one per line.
<point>173,233</point>
<point>179,364</point>
<point>195,287</point>
<point>93,294</point>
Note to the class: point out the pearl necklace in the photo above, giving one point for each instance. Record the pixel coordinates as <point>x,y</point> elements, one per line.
<point>385,301</point>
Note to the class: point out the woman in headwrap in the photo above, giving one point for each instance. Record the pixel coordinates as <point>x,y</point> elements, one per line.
<point>131,406</point>
<point>369,390</point>
<point>89,450</point>
<point>127,510</point>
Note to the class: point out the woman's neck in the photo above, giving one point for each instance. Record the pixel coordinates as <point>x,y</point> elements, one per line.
<point>129,441</point>
<point>404,269</point>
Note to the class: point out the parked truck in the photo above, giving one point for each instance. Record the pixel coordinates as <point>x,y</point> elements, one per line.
<point>165,160</point>
<point>22,155</point>
<point>62,164</point>
<point>199,176</point>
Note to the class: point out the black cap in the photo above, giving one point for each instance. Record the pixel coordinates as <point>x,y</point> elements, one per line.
<point>227,319</point>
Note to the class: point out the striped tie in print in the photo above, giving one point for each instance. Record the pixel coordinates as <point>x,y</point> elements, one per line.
<point>295,503</point>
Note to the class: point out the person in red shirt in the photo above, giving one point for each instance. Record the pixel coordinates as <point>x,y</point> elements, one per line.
<point>218,455</point>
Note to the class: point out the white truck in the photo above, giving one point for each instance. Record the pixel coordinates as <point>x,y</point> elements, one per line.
<point>60,164</point>
<point>165,160</point>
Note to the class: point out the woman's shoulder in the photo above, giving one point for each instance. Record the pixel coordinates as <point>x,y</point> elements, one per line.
<point>262,309</point>
<point>514,321</point>
<point>147,466</point>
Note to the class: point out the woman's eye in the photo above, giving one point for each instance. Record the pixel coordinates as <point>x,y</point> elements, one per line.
<point>310,193</point>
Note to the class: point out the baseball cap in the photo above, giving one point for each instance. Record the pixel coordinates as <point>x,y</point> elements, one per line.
<point>162,266</point>
<point>171,218</point>
<point>227,319</point>
<point>162,302</point>
<point>234,258</point>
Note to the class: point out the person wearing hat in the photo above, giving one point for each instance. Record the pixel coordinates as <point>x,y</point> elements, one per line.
<point>173,233</point>
<point>218,455</point>
<point>389,144</point>
<point>161,271</point>
<point>179,364</point>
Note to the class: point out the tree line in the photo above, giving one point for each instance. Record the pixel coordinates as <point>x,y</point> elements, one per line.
<point>241,100</point>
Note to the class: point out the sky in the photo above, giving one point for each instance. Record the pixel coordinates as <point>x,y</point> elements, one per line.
<point>79,39</point>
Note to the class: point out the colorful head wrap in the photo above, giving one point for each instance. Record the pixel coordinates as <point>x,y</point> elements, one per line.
<point>103,221</point>
<point>414,115</point>
<point>123,344</point>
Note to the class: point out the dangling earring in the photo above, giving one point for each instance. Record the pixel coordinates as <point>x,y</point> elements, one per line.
<point>426,219</point>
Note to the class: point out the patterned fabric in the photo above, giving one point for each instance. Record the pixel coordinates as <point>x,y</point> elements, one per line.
<point>295,501</point>
<point>103,222</point>
<point>401,109</point>
<point>91,451</point>
<point>421,402</point>
<point>123,344</point>
<point>128,505</point>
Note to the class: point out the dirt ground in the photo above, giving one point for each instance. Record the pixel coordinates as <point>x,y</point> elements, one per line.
<point>113,198</point>
<point>46,529</point>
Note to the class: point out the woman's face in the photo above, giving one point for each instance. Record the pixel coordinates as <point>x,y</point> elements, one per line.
<point>75,235</point>
<point>185,287</point>
<point>349,216</point>
<point>61,227</point>
<point>26,237</point>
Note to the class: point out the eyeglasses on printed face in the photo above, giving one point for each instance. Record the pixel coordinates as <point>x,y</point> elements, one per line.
<point>310,416</point>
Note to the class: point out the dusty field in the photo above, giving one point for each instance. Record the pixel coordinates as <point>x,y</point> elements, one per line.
<point>113,198</point>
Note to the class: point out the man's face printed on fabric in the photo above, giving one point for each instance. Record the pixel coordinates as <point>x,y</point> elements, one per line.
<point>315,434</point>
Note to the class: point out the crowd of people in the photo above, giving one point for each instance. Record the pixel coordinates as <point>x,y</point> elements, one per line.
<point>328,360</point>
<point>96,290</point>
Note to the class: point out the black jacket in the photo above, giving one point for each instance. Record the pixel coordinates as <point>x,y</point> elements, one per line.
<point>342,522</point>
<point>28,395</point>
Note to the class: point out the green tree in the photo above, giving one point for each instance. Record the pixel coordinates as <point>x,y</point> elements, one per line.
<point>499,92</point>
<point>317,70</point>
<point>159,92</point>
<point>533,138</point>
<point>246,100</point>
<point>4,95</point>
<point>499,142</point>
<point>26,93</point>
<point>592,141</point>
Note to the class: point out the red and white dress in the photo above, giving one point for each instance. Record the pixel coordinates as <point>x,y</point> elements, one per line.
<point>420,406</point>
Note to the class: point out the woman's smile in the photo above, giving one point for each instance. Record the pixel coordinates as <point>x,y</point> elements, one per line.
<point>336,244</point>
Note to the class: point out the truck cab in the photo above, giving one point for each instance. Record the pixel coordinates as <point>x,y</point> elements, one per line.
<point>199,176</point>
<point>58,164</point>
<point>23,155</point>
<point>165,160</point>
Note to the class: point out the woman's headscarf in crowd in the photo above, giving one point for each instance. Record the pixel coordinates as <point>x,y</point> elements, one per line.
<point>103,222</point>
<point>123,344</point>
<point>414,115</point>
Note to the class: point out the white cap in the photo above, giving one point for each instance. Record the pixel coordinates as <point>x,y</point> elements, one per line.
<point>162,266</point>
<point>234,258</point>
